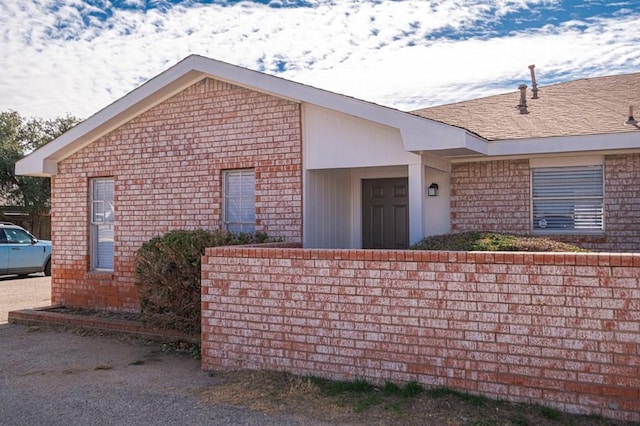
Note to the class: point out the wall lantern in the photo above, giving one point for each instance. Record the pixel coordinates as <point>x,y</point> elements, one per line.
<point>432,190</point>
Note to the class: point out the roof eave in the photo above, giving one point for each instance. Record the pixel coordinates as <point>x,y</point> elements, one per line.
<point>564,144</point>
<point>43,162</point>
<point>419,133</point>
<point>447,141</point>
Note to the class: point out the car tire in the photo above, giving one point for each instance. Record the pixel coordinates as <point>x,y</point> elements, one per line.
<point>47,268</point>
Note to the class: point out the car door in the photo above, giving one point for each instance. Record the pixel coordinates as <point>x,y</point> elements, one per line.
<point>24,256</point>
<point>4,253</point>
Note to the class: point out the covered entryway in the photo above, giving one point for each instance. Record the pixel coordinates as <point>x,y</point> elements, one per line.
<point>385,213</point>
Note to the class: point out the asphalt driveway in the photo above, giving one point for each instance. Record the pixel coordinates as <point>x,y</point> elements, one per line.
<point>54,377</point>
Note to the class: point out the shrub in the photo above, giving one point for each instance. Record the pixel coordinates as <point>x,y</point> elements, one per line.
<point>168,275</point>
<point>492,241</point>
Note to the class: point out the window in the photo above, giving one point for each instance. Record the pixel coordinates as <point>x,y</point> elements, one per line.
<point>102,212</point>
<point>239,200</point>
<point>568,199</point>
<point>17,236</point>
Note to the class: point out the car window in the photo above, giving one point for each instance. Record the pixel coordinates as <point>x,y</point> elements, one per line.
<point>17,236</point>
<point>3,239</point>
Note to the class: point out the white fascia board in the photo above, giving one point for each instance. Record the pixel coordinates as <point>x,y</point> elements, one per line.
<point>476,143</point>
<point>556,145</point>
<point>424,138</point>
<point>297,92</point>
<point>419,134</point>
<point>43,161</point>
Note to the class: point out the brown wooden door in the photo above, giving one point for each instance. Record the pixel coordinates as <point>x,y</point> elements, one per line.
<point>385,213</point>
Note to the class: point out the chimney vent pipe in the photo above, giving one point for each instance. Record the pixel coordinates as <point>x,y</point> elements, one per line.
<point>631,120</point>
<point>523,99</point>
<point>534,83</point>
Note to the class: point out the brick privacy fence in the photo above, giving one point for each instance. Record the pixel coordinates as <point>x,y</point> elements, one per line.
<point>558,329</point>
<point>167,164</point>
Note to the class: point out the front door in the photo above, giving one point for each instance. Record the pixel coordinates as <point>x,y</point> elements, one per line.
<point>385,213</point>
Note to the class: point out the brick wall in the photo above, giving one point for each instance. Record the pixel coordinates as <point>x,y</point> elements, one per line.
<point>622,200</point>
<point>491,196</point>
<point>496,196</point>
<point>561,330</point>
<point>167,164</point>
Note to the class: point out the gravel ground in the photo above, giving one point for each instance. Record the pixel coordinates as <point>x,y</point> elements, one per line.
<point>64,378</point>
<point>53,377</point>
<point>23,293</point>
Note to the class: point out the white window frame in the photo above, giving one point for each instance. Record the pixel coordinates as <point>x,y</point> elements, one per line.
<point>102,211</point>
<point>239,204</point>
<point>567,199</point>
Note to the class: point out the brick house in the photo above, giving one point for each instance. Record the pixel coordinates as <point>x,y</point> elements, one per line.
<point>562,161</point>
<point>210,145</point>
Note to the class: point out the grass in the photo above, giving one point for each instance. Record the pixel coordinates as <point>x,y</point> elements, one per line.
<point>397,400</point>
<point>361,395</point>
<point>332,388</point>
<point>361,402</point>
<point>491,241</point>
<point>474,400</point>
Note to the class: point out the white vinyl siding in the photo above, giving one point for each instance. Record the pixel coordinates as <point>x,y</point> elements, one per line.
<point>239,201</point>
<point>102,212</point>
<point>568,199</point>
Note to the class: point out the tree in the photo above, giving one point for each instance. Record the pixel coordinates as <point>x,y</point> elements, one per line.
<point>19,137</point>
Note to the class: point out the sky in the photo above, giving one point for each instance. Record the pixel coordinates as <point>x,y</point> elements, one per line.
<point>60,57</point>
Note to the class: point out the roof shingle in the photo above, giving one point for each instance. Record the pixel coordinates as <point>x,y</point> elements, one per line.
<point>588,106</point>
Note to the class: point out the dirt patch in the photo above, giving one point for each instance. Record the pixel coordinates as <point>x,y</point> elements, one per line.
<point>280,393</point>
<point>286,394</point>
<point>274,393</point>
<point>129,316</point>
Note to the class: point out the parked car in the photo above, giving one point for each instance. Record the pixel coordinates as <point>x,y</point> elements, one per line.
<point>21,253</point>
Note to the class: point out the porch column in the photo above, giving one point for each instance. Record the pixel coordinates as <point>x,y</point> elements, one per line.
<point>417,193</point>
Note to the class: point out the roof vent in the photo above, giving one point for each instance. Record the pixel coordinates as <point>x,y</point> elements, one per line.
<point>534,83</point>
<point>631,120</point>
<point>523,99</point>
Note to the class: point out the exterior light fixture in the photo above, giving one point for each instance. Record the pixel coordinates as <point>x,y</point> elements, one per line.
<point>432,190</point>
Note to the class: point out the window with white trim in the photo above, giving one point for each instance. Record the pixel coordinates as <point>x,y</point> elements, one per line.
<point>102,212</point>
<point>239,200</point>
<point>568,199</point>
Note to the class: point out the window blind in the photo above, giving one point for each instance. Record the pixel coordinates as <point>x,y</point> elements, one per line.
<point>568,198</point>
<point>102,218</point>
<point>239,200</point>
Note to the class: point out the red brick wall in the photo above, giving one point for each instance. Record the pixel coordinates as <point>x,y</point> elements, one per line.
<point>491,196</point>
<point>496,196</point>
<point>561,330</point>
<point>167,164</point>
<point>622,200</point>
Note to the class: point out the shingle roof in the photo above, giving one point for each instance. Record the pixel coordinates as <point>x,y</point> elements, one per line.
<point>589,106</point>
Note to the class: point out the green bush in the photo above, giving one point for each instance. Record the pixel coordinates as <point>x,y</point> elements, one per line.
<point>168,275</point>
<point>493,241</point>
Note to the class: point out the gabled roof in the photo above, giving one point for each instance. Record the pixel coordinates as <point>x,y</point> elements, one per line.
<point>567,117</point>
<point>591,106</point>
<point>418,134</point>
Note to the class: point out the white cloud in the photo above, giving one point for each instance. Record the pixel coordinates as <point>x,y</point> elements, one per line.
<point>378,51</point>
